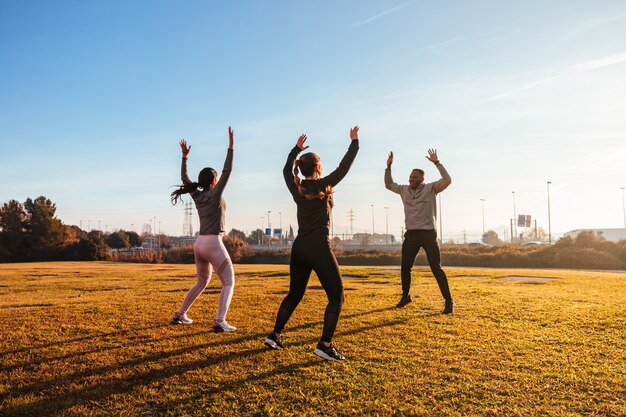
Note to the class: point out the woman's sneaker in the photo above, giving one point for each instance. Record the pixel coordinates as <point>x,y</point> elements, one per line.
<point>274,341</point>
<point>181,319</point>
<point>223,326</point>
<point>328,352</point>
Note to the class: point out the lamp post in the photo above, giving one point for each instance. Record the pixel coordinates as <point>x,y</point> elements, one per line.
<point>514,218</point>
<point>549,216</point>
<point>372,222</point>
<point>387,225</point>
<point>269,226</point>
<point>261,234</point>
<point>482,200</point>
<point>623,205</point>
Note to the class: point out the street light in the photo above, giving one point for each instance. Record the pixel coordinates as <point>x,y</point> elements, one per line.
<point>387,224</point>
<point>549,216</point>
<point>483,203</point>
<point>623,205</point>
<point>514,226</point>
<point>269,226</point>
<point>261,234</point>
<point>372,222</point>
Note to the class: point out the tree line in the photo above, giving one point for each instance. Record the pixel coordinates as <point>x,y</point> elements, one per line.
<point>30,231</point>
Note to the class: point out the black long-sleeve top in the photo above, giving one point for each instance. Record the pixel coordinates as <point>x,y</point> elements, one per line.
<point>314,214</point>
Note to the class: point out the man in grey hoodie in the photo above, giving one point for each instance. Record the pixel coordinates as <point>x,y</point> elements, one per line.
<point>420,217</point>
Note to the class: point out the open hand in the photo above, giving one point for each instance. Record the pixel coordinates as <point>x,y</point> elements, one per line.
<point>231,137</point>
<point>390,159</point>
<point>300,143</point>
<point>432,156</point>
<point>184,148</point>
<point>354,133</point>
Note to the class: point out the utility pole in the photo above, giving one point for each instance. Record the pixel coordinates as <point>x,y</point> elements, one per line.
<point>351,219</point>
<point>514,216</point>
<point>387,225</point>
<point>623,206</point>
<point>483,202</point>
<point>549,216</point>
<point>372,222</point>
<point>269,226</point>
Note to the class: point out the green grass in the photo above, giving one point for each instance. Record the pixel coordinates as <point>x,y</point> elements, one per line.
<point>92,339</point>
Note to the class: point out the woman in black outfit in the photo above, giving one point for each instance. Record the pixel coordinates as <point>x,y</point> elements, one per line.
<point>311,250</point>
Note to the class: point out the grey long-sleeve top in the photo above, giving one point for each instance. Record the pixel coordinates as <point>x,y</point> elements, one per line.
<point>209,202</point>
<point>420,204</point>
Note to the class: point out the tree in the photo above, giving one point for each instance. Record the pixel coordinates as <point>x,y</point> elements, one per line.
<point>44,229</point>
<point>290,237</point>
<point>491,238</point>
<point>13,231</point>
<point>238,234</point>
<point>118,240</point>
<point>134,239</point>
<point>236,247</point>
<point>255,237</point>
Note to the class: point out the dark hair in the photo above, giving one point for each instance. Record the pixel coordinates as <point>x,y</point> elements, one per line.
<point>307,164</point>
<point>205,178</point>
<point>421,171</point>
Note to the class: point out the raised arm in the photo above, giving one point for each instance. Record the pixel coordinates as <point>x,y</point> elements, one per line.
<point>183,167</point>
<point>338,174</point>
<point>288,169</point>
<point>445,180</point>
<point>389,184</point>
<point>228,164</point>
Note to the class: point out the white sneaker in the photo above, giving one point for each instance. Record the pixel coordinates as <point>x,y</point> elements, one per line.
<point>181,319</point>
<point>223,327</point>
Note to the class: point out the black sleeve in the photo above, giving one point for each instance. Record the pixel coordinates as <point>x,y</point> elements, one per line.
<point>288,170</point>
<point>338,174</point>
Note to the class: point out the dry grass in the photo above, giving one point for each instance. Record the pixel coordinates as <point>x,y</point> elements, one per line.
<point>92,339</point>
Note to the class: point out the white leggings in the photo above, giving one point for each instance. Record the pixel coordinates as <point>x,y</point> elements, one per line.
<point>210,253</point>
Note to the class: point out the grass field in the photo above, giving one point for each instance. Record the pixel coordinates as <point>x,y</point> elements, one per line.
<point>93,339</point>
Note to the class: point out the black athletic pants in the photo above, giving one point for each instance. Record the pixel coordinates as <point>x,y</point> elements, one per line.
<point>313,254</point>
<point>413,241</point>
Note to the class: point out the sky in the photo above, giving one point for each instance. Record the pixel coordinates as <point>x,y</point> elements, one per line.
<point>95,95</point>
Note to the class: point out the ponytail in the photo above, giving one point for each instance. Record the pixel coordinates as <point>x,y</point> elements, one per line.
<point>183,189</point>
<point>308,195</point>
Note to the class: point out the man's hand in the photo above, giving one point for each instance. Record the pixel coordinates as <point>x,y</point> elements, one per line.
<point>432,156</point>
<point>300,142</point>
<point>231,138</point>
<point>390,160</point>
<point>184,148</point>
<point>354,133</point>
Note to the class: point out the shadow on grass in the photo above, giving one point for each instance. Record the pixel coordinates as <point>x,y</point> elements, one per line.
<point>54,403</point>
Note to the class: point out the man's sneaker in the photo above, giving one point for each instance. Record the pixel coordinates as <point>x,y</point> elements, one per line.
<point>449,308</point>
<point>406,299</point>
<point>274,341</point>
<point>223,326</point>
<point>328,352</point>
<point>181,319</point>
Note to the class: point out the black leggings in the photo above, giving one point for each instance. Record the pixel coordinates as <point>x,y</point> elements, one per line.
<point>313,254</point>
<point>413,241</point>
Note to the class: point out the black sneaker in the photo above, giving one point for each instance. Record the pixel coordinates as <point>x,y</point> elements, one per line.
<point>449,308</point>
<point>328,352</point>
<point>274,341</point>
<point>406,299</point>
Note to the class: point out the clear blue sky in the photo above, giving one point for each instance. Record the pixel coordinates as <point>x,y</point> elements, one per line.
<point>96,95</point>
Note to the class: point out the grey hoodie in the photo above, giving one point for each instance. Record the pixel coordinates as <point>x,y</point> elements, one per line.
<point>420,204</point>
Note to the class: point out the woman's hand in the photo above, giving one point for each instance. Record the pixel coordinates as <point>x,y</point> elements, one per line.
<point>354,133</point>
<point>300,142</point>
<point>184,148</point>
<point>231,138</point>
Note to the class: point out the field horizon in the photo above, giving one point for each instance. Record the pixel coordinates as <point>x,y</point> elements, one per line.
<point>92,338</point>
